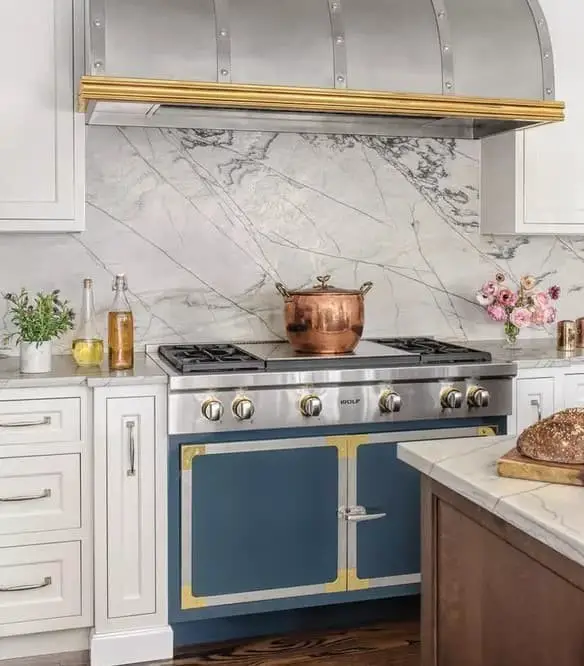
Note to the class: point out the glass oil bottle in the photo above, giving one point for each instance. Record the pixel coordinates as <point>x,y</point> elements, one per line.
<point>87,346</point>
<point>120,328</point>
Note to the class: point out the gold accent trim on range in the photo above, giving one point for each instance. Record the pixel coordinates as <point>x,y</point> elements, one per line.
<point>356,583</point>
<point>188,599</point>
<point>338,585</point>
<point>347,445</point>
<point>286,98</point>
<point>187,453</point>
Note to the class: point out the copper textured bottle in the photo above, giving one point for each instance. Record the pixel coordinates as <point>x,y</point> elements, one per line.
<point>120,328</point>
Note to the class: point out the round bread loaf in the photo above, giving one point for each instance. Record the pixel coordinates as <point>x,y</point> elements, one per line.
<point>558,438</point>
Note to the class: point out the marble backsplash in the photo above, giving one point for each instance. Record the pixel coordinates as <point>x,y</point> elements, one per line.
<point>204,223</point>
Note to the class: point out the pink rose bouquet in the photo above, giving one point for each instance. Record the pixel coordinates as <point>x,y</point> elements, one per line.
<point>518,308</point>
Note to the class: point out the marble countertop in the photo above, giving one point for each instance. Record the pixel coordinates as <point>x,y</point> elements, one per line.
<point>66,373</point>
<point>530,353</point>
<point>550,513</point>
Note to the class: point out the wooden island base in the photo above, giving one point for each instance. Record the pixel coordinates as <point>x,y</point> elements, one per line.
<point>491,595</point>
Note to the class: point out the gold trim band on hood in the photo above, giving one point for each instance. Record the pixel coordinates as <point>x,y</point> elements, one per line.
<point>282,98</point>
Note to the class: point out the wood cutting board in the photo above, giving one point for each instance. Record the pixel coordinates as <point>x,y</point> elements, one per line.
<point>517,466</point>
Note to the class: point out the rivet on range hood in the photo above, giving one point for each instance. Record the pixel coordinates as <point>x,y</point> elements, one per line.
<point>434,68</point>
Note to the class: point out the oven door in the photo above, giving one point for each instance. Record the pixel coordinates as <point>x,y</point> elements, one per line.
<point>296,521</point>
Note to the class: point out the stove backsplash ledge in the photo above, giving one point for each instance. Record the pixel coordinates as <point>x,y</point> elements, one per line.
<point>204,223</point>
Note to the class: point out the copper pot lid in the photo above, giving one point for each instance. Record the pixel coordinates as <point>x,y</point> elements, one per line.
<point>324,288</point>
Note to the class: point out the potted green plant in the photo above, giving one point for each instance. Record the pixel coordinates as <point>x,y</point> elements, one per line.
<point>38,321</point>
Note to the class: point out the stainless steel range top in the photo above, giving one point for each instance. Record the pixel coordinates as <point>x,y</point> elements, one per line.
<point>225,387</point>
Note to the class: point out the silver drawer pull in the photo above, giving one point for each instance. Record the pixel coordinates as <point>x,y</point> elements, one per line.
<point>26,498</point>
<point>22,588</point>
<point>358,514</point>
<point>537,404</point>
<point>132,444</point>
<point>27,424</point>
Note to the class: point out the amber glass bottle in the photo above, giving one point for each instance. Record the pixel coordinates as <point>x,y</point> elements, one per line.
<point>120,328</point>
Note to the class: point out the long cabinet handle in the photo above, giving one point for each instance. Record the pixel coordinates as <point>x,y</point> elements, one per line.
<point>130,425</point>
<point>537,404</point>
<point>26,498</point>
<point>22,588</point>
<point>46,420</point>
<point>358,514</point>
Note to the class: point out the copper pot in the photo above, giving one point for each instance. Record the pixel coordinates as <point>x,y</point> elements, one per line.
<point>324,319</point>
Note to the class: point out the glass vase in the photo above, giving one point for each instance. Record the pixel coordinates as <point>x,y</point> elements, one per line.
<point>511,333</point>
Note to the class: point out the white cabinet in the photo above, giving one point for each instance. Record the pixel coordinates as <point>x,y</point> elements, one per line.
<point>531,181</point>
<point>130,525</point>
<point>535,399</point>
<point>574,390</point>
<point>42,185</point>
<point>131,505</point>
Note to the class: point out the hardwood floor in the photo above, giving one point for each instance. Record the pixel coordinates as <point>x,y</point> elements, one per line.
<point>387,644</point>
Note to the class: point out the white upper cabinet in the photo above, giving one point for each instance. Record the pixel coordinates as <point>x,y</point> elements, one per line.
<point>532,180</point>
<point>42,185</point>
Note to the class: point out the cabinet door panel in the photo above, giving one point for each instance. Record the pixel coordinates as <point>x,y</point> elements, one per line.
<point>39,170</point>
<point>554,169</point>
<point>535,400</point>
<point>131,507</point>
<point>387,549</point>
<point>258,524</point>
<point>574,391</point>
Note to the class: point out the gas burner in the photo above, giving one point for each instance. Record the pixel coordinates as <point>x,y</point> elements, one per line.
<point>436,351</point>
<point>189,359</point>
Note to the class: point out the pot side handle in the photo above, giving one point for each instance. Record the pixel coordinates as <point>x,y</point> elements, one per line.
<point>282,289</point>
<point>366,287</point>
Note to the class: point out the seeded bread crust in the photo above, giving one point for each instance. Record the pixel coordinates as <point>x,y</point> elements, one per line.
<point>558,438</point>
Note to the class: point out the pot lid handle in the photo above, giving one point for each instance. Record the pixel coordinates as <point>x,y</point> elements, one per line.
<point>323,279</point>
<point>366,287</point>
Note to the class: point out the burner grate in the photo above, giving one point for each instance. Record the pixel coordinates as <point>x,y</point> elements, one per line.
<point>216,357</point>
<point>436,351</point>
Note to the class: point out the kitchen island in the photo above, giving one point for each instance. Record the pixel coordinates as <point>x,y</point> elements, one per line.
<point>502,560</point>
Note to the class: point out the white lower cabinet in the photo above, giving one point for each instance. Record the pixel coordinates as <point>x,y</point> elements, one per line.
<point>40,582</point>
<point>536,399</point>
<point>131,506</point>
<point>130,514</point>
<point>574,390</point>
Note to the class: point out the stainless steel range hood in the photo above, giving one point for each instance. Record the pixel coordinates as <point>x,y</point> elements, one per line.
<point>435,68</point>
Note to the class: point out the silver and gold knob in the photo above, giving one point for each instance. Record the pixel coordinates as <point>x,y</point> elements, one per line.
<point>311,405</point>
<point>242,409</point>
<point>212,409</point>
<point>390,402</point>
<point>451,398</point>
<point>478,396</point>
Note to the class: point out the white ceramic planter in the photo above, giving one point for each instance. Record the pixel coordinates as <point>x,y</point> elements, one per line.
<point>35,357</point>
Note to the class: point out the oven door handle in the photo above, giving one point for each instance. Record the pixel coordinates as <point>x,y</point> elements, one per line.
<point>358,514</point>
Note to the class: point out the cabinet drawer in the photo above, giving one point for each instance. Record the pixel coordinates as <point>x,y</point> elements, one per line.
<point>40,582</point>
<point>39,493</point>
<point>38,421</point>
<point>535,400</point>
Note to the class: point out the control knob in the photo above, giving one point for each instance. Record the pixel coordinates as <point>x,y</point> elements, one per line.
<point>212,409</point>
<point>311,405</point>
<point>242,409</point>
<point>478,397</point>
<point>451,398</point>
<point>390,401</point>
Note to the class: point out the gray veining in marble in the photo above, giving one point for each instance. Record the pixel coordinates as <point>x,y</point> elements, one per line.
<point>204,223</point>
<point>65,373</point>
<point>550,513</point>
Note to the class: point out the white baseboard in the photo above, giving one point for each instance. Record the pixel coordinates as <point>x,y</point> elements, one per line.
<point>51,642</point>
<point>131,647</point>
